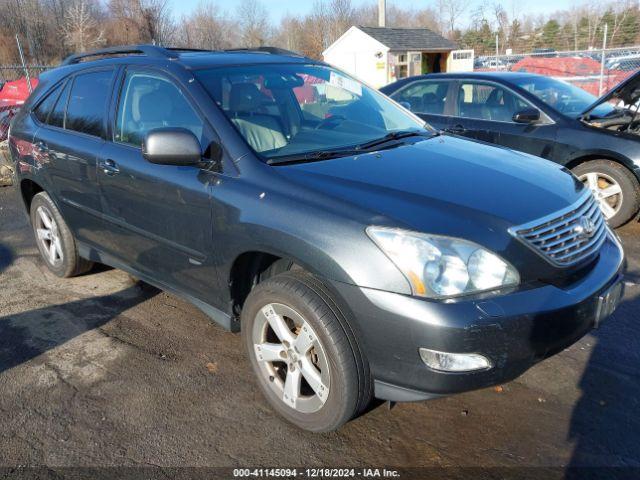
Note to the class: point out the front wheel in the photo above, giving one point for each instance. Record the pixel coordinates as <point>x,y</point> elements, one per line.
<point>303,352</point>
<point>614,186</point>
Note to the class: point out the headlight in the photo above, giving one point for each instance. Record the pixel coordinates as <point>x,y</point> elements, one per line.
<point>441,267</point>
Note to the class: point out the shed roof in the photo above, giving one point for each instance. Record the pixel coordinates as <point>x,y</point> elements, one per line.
<point>409,38</point>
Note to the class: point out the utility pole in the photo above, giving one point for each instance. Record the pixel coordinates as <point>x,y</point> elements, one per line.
<point>603,57</point>
<point>24,65</point>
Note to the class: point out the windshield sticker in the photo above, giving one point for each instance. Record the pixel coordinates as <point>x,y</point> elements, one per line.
<point>345,84</point>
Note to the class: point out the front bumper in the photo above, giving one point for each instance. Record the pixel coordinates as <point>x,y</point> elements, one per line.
<point>514,330</point>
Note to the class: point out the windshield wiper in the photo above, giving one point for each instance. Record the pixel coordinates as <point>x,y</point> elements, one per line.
<point>359,149</point>
<point>396,136</point>
<point>314,156</point>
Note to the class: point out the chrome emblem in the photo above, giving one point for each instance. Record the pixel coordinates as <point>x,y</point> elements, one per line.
<point>585,228</point>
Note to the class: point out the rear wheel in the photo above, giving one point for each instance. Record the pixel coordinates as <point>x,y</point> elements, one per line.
<point>614,186</point>
<point>54,239</point>
<point>303,352</point>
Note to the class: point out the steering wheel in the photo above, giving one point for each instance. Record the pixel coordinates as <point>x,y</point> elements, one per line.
<point>331,122</point>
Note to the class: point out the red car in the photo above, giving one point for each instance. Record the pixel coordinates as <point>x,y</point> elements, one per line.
<point>16,92</point>
<point>12,95</point>
<point>583,72</point>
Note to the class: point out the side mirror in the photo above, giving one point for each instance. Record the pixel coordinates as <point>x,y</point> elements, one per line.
<point>406,105</point>
<point>528,115</point>
<point>171,146</point>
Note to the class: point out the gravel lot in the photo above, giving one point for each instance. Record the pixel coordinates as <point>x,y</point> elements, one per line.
<point>100,371</point>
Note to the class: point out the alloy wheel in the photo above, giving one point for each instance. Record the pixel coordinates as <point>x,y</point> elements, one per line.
<point>607,191</point>
<point>291,358</point>
<point>48,236</point>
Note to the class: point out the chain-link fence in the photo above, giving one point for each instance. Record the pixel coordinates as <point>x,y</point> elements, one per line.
<point>596,71</point>
<point>9,73</point>
<point>6,171</point>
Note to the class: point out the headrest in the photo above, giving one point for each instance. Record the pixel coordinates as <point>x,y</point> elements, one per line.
<point>494,98</point>
<point>429,97</point>
<point>245,97</point>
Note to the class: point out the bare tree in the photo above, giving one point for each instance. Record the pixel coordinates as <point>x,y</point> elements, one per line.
<point>620,11</point>
<point>398,17</point>
<point>80,27</point>
<point>340,17</point>
<point>253,20</point>
<point>148,21</point>
<point>502,24</point>
<point>208,28</point>
<point>450,12</point>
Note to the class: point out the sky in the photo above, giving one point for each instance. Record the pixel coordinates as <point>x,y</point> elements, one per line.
<point>279,8</point>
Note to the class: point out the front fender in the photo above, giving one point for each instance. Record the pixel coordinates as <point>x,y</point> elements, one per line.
<point>327,242</point>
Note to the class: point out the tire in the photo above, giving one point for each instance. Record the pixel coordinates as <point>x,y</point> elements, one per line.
<point>57,247</point>
<point>600,175</point>
<point>299,302</point>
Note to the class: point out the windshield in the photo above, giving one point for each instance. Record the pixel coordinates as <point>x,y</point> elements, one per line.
<point>288,109</point>
<point>562,96</point>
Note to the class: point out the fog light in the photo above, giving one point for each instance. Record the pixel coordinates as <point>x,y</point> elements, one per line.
<point>454,362</point>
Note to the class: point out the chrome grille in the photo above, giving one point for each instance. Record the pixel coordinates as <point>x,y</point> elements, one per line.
<point>560,238</point>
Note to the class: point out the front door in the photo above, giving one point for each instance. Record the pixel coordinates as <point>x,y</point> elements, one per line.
<point>159,216</point>
<point>474,115</point>
<point>428,100</point>
<point>485,110</point>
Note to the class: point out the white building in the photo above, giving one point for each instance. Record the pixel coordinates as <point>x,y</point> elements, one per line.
<point>381,55</point>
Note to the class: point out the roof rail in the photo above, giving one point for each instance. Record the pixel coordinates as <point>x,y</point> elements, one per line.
<point>188,49</point>
<point>271,50</point>
<point>148,50</point>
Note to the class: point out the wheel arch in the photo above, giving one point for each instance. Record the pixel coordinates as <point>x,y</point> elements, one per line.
<point>29,189</point>
<point>584,157</point>
<point>248,267</point>
<point>245,274</point>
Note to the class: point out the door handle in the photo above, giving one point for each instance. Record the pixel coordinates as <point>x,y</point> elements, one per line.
<point>109,167</point>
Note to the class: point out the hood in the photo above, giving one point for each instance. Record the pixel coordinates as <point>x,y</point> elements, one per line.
<point>627,91</point>
<point>443,185</point>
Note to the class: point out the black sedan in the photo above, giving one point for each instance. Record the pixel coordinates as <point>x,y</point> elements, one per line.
<point>598,139</point>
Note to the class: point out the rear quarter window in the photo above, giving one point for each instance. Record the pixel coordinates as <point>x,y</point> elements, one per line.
<point>44,108</point>
<point>56,119</point>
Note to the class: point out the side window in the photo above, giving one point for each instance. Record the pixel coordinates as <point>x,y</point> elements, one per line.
<point>149,101</point>
<point>483,101</point>
<point>56,119</point>
<point>43,110</point>
<point>424,97</point>
<point>88,102</point>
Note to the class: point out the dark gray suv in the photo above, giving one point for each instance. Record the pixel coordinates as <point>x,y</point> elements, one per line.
<point>361,253</point>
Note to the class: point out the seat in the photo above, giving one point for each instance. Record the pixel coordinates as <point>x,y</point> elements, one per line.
<point>496,106</point>
<point>154,109</point>
<point>472,110</point>
<point>263,132</point>
<point>149,109</point>
<point>431,104</point>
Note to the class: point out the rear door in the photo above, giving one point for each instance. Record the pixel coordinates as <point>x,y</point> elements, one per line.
<point>484,111</point>
<point>158,216</point>
<point>69,140</point>
<point>428,99</point>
